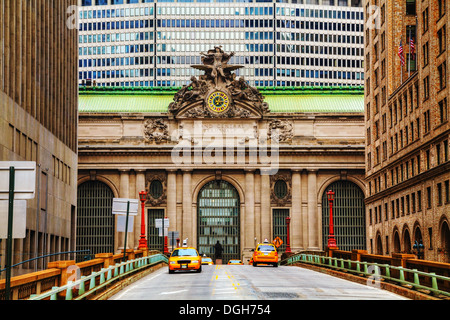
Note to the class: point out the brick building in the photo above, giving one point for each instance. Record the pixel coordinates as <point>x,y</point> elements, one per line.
<point>407,128</point>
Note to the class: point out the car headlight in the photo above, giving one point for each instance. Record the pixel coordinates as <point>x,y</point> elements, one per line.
<point>172,262</point>
<point>194,261</point>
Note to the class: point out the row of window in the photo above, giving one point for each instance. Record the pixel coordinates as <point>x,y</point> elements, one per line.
<point>221,11</point>
<point>258,72</point>
<point>176,60</point>
<point>411,167</point>
<point>180,83</point>
<point>219,23</point>
<point>219,35</point>
<point>411,203</point>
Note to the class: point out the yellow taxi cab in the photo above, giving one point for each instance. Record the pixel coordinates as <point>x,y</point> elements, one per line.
<point>207,260</point>
<point>235,262</point>
<point>265,253</point>
<point>186,258</point>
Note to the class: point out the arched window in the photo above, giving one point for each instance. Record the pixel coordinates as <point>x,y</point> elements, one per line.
<point>219,219</point>
<point>348,216</point>
<point>95,222</point>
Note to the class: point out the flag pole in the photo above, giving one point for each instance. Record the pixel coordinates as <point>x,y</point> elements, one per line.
<point>409,55</point>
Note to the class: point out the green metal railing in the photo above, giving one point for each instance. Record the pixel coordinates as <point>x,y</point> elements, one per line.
<point>100,279</point>
<point>376,272</point>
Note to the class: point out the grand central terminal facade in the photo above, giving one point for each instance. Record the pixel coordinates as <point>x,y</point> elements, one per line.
<point>223,161</point>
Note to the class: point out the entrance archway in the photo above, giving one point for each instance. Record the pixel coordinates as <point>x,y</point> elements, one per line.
<point>348,216</point>
<point>445,242</point>
<point>218,219</point>
<point>95,222</point>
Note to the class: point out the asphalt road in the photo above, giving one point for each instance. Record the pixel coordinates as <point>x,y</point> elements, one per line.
<point>224,282</point>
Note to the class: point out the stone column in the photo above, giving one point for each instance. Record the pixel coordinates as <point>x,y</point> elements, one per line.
<point>186,231</point>
<point>172,199</point>
<point>249,209</point>
<point>257,206</point>
<point>124,192</point>
<point>312,211</point>
<point>296,212</point>
<point>265,206</point>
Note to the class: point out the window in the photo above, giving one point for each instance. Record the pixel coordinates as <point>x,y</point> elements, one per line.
<point>425,20</point>
<point>429,202</point>
<point>443,110</point>
<point>441,38</point>
<point>426,87</point>
<point>441,4</point>
<point>426,120</point>
<point>425,54</point>
<point>410,7</point>
<point>447,192</point>
<point>439,194</point>
<point>442,71</point>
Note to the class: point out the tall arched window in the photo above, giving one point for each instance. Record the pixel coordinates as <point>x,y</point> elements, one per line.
<point>95,222</point>
<point>219,219</point>
<point>348,216</point>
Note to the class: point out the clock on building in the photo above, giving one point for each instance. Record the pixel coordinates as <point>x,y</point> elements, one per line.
<point>218,102</point>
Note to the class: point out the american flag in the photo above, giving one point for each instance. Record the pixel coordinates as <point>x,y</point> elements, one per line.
<point>412,48</point>
<point>400,53</point>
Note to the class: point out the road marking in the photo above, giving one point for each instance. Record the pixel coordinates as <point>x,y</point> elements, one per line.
<point>132,287</point>
<point>174,292</point>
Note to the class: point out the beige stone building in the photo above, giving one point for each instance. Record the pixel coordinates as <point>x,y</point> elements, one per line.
<point>223,163</point>
<point>38,120</point>
<point>408,168</point>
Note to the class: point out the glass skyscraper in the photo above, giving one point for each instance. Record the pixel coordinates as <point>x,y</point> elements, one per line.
<point>280,43</point>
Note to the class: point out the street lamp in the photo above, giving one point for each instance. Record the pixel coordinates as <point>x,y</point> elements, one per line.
<point>143,240</point>
<point>419,247</point>
<point>288,243</point>
<point>331,239</point>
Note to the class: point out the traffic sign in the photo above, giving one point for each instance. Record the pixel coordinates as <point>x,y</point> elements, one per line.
<point>277,242</point>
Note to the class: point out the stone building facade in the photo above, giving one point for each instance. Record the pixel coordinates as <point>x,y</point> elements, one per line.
<point>224,161</point>
<point>38,120</point>
<point>407,128</point>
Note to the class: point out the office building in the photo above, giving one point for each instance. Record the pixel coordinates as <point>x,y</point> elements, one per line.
<point>153,43</point>
<point>38,122</point>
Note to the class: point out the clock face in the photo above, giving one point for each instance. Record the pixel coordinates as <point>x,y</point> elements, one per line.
<point>218,102</point>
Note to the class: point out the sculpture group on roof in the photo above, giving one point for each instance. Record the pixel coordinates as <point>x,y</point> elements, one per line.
<point>218,76</point>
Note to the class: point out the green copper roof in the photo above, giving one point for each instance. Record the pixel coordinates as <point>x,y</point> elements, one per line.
<point>285,100</point>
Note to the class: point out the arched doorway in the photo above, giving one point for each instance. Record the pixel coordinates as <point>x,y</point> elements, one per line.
<point>349,217</point>
<point>379,247</point>
<point>406,241</point>
<point>397,247</point>
<point>445,241</point>
<point>218,219</point>
<point>95,222</point>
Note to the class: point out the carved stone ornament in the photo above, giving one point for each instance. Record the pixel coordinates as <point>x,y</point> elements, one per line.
<point>282,130</point>
<point>275,198</point>
<point>156,130</point>
<point>156,187</point>
<point>218,93</point>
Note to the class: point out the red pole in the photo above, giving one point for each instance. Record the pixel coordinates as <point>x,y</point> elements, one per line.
<point>331,239</point>
<point>142,240</point>
<point>288,242</point>
<point>166,250</point>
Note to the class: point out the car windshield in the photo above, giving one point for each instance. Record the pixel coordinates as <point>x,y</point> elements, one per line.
<point>207,259</point>
<point>265,247</point>
<point>184,252</point>
<point>235,261</point>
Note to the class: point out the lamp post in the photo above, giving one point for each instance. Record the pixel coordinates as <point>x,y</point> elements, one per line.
<point>142,240</point>
<point>288,243</point>
<point>419,247</point>
<point>331,239</point>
